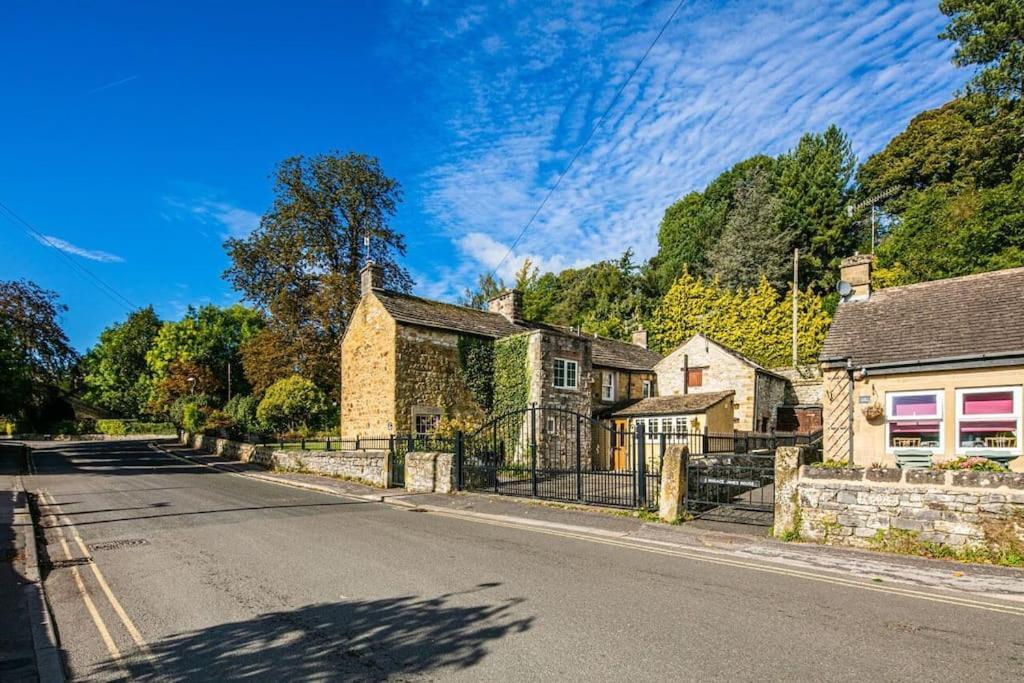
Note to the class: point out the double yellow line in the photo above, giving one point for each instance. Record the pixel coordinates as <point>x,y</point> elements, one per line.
<point>55,513</point>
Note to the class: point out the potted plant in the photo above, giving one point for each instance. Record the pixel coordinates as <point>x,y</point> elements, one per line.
<point>874,411</point>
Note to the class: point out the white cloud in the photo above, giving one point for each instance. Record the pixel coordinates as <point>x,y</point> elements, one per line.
<point>727,80</point>
<point>69,248</point>
<point>232,220</point>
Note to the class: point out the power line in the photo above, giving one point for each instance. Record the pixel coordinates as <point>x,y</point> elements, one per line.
<point>590,135</point>
<point>81,270</point>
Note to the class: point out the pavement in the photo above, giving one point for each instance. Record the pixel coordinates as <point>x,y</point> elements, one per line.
<point>175,569</point>
<point>28,647</point>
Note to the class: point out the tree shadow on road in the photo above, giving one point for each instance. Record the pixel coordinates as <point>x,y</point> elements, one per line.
<point>369,640</point>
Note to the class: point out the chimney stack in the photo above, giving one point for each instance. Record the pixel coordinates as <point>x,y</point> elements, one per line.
<point>856,271</point>
<point>371,277</point>
<point>640,338</point>
<point>508,304</point>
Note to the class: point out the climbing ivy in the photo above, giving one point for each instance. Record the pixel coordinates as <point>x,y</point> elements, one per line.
<point>511,374</point>
<point>476,362</point>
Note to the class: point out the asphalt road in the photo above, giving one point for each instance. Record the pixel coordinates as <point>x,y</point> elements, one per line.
<point>203,575</point>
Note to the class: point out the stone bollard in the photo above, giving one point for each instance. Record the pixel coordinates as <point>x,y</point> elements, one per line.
<point>788,460</point>
<point>673,483</point>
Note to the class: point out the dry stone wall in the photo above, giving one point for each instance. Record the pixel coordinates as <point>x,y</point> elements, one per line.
<point>853,507</point>
<point>370,467</point>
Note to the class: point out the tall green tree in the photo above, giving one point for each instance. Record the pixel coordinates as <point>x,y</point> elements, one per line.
<point>115,374</point>
<point>813,186</point>
<point>31,315</point>
<point>209,338</point>
<point>15,375</point>
<point>754,244</point>
<point>990,36</point>
<point>692,225</point>
<point>301,265</point>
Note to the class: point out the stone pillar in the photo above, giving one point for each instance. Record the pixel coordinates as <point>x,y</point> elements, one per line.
<point>429,472</point>
<point>788,460</point>
<point>673,483</point>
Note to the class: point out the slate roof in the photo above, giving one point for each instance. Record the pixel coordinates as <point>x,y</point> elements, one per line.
<point>414,310</point>
<point>965,317</point>
<point>675,404</point>
<point>613,353</point>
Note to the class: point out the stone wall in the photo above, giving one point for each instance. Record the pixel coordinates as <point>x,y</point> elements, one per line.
<point>429,473</point>
<point>559,450</point>
<point>370,467</point>
<point>628,384</point>
<point>721,371</point>
<point>368,371</point>
<point>856,507</point>
<point>806,387</point>
<point>430,379</point>
<point>770,393</point>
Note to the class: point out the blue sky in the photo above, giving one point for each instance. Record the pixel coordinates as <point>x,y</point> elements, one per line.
<point>136,136</point>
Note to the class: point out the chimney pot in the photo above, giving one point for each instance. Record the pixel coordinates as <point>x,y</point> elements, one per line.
<point>508,304</point>
<point>640,338</point>
<point>371,277</point>
<point>856,270</point>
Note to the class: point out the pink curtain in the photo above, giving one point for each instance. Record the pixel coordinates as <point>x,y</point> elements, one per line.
<point>988,403</point>
<point>913,427</point>
<point>908,406</point>
<point>989,426</point>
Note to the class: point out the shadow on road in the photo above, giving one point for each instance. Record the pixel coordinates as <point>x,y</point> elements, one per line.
<point>354,640</point>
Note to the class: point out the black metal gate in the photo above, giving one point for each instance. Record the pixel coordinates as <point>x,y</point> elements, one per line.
<point>396,467</point>
<point>555,453</point>
<point>733,487</point>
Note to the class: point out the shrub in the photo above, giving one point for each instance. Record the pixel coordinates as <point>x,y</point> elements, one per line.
<point>242,409</point>
<point>833,465</point>
<point>975,462</point>
<point>291,404</point>
<point>112,427</point>
<point>193,417</point>
<point>217,423</point>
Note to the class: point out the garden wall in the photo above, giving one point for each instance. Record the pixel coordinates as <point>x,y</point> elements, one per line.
<point>862,507</point>
<point>370,467</point>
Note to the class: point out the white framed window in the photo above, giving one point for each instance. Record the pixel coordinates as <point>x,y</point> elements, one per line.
<point>551,424</point>
<point>565,372</point>
<point>652,425</point>
<point>647,388</point>
<point>607,386</point>
<point>913,419</point>
<point>988,419</point>
<point>680,424</point>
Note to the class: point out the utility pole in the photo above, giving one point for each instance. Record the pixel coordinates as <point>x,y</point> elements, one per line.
<point>229,380</point>
<point>796,296</point>
<point>873,203</point>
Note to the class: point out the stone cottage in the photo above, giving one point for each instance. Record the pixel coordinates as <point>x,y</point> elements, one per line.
<point>407,363</point>
<point>702,365</point>
<point>925,372</point>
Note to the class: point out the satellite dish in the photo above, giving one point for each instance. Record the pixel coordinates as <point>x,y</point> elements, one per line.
<point>844,288</point>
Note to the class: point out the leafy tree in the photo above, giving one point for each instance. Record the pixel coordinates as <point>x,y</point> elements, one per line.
<point>692,225</point>
<point>30,314</point>
<point>944,232</point>
<point>812,185</point>
<point>301,265</point>
<point>207,341</point>
<point>990,35</point>
<point>753,246</point>
<point>15,375</point>
<point>266,358</point>
<point>487,287</point>
<point>965,143</point>
<point>183,379</point>
<point>291,404</point>
<point>116,376</point>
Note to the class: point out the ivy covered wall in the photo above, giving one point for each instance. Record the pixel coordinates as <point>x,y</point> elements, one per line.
<point>511,387</point>
<point>476,363</point>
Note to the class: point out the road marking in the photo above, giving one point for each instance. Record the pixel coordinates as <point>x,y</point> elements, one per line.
<point>672,552</point>
<point>90,606</point>
<point>114,602</point>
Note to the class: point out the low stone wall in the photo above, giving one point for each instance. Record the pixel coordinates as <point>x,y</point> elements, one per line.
<point>429,473</point>
<point>859,507</point>
<point>370,467</point>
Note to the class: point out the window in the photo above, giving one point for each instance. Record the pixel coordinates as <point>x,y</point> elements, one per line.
<point>551,424</point>
<point>565,373</point>
<point>680,424</point>
<point>607,386</point>
<point>652,425</point>
<point>647,388</point>
<point>988,419</point>
<point>694,377</point>
<point>914,420</point>
<point>426,424</point>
